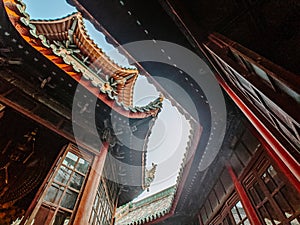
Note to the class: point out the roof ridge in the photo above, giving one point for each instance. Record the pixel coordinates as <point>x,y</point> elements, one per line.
<point>85,33</point>
<point>63,18</point>
<point>95,45</point>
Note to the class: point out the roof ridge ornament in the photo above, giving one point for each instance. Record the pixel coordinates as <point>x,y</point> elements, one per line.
<point>149,176</point>
<point>71,32</point>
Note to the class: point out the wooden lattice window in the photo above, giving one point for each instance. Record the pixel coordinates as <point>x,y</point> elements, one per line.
<point>276,201</point>
<point>232,213</point>
<point>60,197</point>
<point>107,194</point>
<point>103,206</point>
<point>239,215</point>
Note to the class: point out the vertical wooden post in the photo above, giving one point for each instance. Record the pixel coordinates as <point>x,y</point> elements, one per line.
<point>199,219</point>
<point>250,211</point>
<point>2,108</point>
<point>286,162</point>
<point>85,206</point>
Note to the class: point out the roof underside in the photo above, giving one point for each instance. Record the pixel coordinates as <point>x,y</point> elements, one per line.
<point>54,78</point>
<point>141,25</point>
<point>116,86</point>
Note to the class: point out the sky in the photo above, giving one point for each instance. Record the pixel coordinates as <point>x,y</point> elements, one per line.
<point>168,138</point>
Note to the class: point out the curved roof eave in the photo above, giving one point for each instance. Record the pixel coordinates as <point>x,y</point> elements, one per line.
<point>20,20</point>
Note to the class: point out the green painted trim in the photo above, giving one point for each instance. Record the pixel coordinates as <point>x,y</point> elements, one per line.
<point>152,198</point>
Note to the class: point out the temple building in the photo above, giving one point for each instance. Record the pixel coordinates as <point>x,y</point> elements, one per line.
<point>67,119</point>
<point>68,145</point>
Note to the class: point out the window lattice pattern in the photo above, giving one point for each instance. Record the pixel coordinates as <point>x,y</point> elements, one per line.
<point>104,204</point>
<point>275,201</point>
<point>60,197</point>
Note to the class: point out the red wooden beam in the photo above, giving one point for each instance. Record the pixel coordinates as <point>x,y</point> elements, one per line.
<point>85,206</point>
<point>285,161</point>
<point>45,123</point>
<point>250,211</point>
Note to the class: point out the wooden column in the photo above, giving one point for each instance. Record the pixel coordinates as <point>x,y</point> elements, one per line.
<point>85,206</point>
<point>2,107</point>
<point>199,219</point>
<point>287,163</point>
<point>250,211</point>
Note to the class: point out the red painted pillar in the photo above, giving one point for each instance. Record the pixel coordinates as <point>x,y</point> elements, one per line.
<point>90,190</point>
<point>250,211</point>
<point>280,163</point>
<point>287,163</point>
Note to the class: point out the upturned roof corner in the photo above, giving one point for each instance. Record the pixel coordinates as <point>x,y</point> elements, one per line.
<point>66,43</point>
